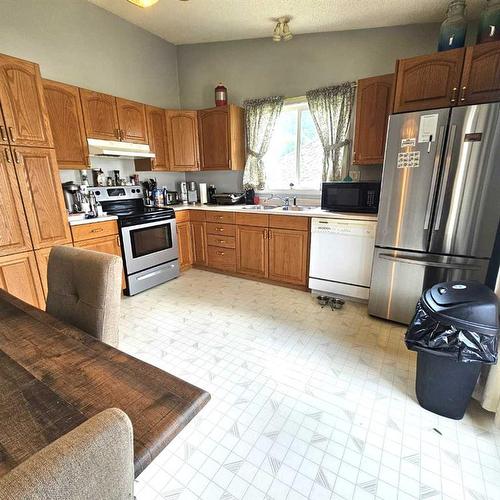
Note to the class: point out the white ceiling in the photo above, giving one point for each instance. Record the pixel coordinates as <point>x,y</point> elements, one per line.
<point>198,21</point>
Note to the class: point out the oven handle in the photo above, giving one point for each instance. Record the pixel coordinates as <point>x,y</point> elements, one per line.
<point>149,224</point>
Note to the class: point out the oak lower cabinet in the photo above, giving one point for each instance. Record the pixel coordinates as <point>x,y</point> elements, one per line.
<point>185,245</point>
<point>199,242</point>
<point>373,106</point>
<point>182,139</point>
<point>23,104</point>
<point>288,251</point>
<point>41,193</point>
<point>19,276</point>
<point>66,120</point>
<point>222,138</point>
<point>14,232</point>
<point>252,251</point>
<point>428,82</point>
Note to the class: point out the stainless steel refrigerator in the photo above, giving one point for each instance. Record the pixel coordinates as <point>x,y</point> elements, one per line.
<point>439,206</point>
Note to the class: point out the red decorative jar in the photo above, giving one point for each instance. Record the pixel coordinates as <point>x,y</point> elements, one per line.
<point>220,95</point>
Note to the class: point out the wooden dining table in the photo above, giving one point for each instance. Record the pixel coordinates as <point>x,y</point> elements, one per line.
<point>54,377</point>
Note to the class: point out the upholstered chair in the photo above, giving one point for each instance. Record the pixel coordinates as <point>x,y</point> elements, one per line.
<point>84,290</point>
<point>93,461</point>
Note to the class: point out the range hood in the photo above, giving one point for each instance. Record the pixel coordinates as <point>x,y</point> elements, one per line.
<point>116,149</point>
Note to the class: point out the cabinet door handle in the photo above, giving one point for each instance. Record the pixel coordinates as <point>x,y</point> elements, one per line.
<point>117,133</point>
<point>16,156</point>
<point>264,234</point>
<point>270,234</point>
<point>7,156</point>
<point>11,133</point>
<point>2,133</point>
<point>462,94</point>
<point>453,95</point>
<point>122,135</point>
<point>97,230</point>
<point>118,241</point>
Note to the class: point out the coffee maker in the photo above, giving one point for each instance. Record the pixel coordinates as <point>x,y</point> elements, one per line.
<point>72,197</point>
<point>183,192</point>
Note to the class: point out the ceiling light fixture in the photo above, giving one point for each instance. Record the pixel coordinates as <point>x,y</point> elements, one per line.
<point>282,30</point>
<point>143,3</point>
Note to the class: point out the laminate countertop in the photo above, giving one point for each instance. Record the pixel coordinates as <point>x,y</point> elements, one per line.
<point>77,221</point>
<point>307,212</point>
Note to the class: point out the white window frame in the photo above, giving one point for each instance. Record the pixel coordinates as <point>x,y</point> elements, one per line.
<point>301,103</point>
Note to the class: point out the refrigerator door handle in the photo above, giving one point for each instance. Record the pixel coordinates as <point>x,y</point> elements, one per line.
<point>426,263</point>
<point>444,182</point>
<point>437,162</point>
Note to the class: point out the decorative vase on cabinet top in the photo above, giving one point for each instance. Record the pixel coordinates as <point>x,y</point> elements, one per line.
<point>489,24</point>
<point>454,27</point>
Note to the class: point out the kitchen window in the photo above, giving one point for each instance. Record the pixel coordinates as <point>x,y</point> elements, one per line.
<point>295,153</point>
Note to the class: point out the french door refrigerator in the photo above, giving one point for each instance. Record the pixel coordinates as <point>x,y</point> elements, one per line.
<point>439,205</point>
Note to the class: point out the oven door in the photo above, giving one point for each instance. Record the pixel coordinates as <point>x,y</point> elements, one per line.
<point>149,244</point>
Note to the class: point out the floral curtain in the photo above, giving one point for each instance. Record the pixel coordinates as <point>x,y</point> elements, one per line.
<point>260,117</point>
<point>331,109</point>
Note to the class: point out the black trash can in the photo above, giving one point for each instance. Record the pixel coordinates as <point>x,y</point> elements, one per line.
<point>454,330</point>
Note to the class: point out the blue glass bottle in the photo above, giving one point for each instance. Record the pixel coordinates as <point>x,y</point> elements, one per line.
<point>454,27</point>
<point>489,24</point>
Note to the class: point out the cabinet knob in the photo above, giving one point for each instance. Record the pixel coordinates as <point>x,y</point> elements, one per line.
<point>220,229</point>
<point>220,253</point>
<point>453,95</point>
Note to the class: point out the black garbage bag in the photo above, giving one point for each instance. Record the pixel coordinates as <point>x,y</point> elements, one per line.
<point>428,334</point>
<point>458,320</point>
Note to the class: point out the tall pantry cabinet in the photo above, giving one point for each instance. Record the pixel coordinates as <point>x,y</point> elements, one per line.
<point>31,199</point>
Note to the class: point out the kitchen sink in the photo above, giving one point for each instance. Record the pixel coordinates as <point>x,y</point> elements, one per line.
<point>260,207</point>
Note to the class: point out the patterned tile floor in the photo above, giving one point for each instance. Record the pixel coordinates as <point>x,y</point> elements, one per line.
<point>306,402</point>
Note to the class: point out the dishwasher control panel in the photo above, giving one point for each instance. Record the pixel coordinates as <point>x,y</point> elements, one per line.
<point>347,227</point>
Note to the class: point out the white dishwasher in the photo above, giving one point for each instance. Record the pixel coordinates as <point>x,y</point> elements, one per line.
<point>341,256</point>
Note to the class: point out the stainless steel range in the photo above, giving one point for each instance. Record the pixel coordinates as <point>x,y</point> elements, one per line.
<point>148,237</point>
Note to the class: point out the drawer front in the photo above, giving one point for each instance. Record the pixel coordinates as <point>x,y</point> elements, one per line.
<point>227,217</point>
<point>221,229</point>
<point>299,223</point>
<point>221,241</point>
<point>197,215</point>
<point>252,220</point>
<point>222,258</point>
<point>94,230</point>
<point>182,216</point>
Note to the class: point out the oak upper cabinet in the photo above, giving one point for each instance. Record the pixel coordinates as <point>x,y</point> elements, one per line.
<point>373,107</point>
<point>19,276</point>
<point>23,104</point>
<point>42,197</point>
<point>66,120</point>
<point>288,256</point>
<point>481,74</point>
<point>157,135</point>
<point>428,82</point>
<point>222,138</point>
<point>182,139</point>
<point>252,251</point>
<point>185,245</point>
<point>132,121</point>
<point>14,233</point>
<point>100,115</point>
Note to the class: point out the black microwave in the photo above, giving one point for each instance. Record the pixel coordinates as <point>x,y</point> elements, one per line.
<point>361,197</point>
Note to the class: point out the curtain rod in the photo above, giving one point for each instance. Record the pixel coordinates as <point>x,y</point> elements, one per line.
<point>302,97</point>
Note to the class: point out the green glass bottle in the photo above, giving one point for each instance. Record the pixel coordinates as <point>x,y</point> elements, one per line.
<point>454,27</point>
<point>489,24</point>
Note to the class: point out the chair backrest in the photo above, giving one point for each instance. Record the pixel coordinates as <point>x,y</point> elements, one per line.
<point>84,290</point>
<point>94,460</point>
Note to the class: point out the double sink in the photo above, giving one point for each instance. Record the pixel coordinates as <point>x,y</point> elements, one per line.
<point>277,208</point>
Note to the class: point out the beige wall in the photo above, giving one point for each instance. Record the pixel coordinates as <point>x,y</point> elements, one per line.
<point>76,42</point>
<point>256,68</point>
